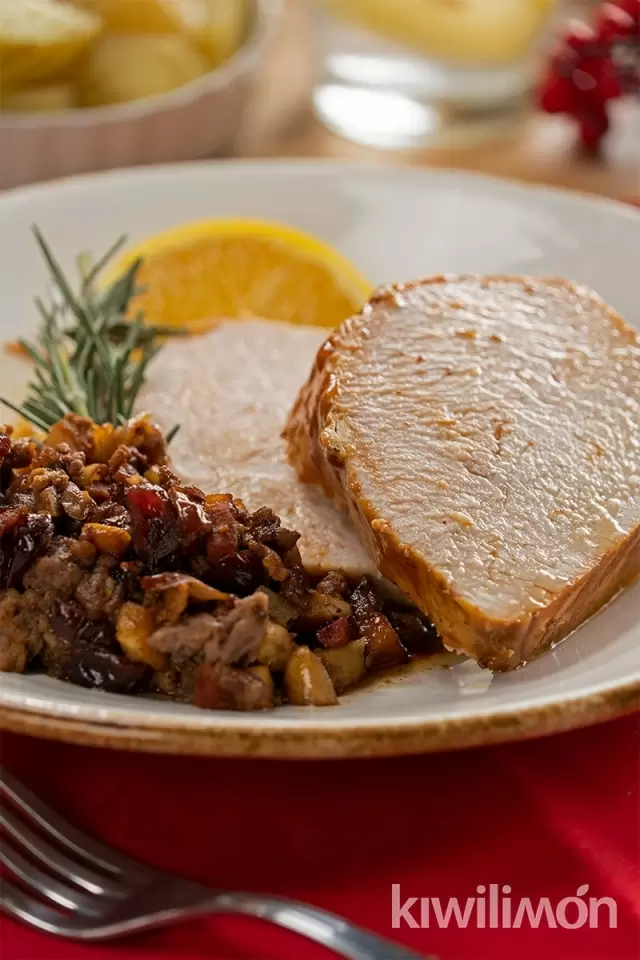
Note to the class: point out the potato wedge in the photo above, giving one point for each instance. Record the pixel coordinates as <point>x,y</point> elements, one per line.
<point>122,68</point>
<point>44,99</point>
<point>133,16</point>
<point>41,39</point>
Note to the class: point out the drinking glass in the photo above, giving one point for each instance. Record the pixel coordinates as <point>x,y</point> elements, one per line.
<point>402,73</point>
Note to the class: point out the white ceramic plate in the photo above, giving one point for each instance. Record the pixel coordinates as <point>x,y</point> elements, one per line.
<point>396,224</point>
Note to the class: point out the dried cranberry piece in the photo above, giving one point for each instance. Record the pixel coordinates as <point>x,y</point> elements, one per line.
<point>23,538</point>
<point>154,523</point>
<point>10,518</point>
<point>192,519</point>
<point>227,688</point>
<point>224,534</point>
<point>338,633</point>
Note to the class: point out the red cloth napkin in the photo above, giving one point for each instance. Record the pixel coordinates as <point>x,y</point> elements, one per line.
<point>546,817</point>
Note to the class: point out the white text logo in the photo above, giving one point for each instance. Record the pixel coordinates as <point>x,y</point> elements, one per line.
<point>494,907</point>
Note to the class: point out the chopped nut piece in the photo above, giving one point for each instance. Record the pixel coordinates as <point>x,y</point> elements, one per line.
<point>276,647</point>
<point>345,665</point>
<point>172,603</point>
<point>93,473</point>
<point>322,608</point>
<point>133,629</point>
<point>333,583</point>
<point>271,561</point>
<point>197,589</point>
<point>382,644</point>
<point>75,431</point>
<point>133,581</point>
<point>139,432</point>
<point>75,502</point>
<point>42,478</point>
<point>47,502</point>
<point>174,590</point>
<point>83,552</point>
<point>280,609</point>
<point>99,492</point>
<point>106,539</point>
<point>306,680</point>
<point>263,673</point>
<point>213,498</point>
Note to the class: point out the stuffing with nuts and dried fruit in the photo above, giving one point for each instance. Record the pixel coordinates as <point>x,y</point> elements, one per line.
<point>115,575</point>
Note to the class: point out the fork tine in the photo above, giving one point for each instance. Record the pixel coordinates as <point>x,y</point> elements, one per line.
<point>69,836</point>
<point>42,883</point>
<point>58,862</point>
<point>19,904</point>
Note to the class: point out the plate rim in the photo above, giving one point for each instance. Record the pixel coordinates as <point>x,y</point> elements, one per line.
<point>160,170</point>
<point>324,743</point>
<point>327,742</point>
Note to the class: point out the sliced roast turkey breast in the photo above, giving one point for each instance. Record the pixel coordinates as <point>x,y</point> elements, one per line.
<point>485,436</point>
<point>231,392</point>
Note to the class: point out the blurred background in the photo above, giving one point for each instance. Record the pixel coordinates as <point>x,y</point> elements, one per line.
<point>98,84</point>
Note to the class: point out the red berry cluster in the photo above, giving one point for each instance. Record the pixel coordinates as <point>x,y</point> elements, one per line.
<point>593,65</point>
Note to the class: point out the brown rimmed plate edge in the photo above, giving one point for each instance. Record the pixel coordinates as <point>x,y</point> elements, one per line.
<point>317,743</point>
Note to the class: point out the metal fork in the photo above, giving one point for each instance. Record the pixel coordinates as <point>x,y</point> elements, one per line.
<point>97,894</point>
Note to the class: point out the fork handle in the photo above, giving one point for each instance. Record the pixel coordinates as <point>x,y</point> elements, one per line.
<point>328,929</point>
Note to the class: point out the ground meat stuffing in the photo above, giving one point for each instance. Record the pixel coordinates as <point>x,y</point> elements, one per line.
<point>116,575</point>
<point>56,575</point>
<point>234,636</point>
<point>14,639</point>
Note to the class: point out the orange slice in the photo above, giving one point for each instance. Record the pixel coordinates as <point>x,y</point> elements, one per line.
<point>234,268</point>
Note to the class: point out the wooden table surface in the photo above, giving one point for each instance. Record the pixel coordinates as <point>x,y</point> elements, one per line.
<point>537,148</point>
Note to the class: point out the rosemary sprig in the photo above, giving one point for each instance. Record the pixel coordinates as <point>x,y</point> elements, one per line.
<point>89,357</point>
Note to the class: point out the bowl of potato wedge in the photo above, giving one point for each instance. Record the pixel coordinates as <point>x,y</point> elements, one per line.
<point>94,84</point>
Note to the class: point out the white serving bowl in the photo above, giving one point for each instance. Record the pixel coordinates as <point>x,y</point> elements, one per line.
<point>198,120</point>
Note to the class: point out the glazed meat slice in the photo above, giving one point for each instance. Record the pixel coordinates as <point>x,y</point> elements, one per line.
<point>231,392</point>
<point>485,435</point>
